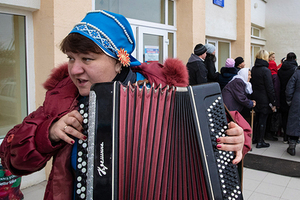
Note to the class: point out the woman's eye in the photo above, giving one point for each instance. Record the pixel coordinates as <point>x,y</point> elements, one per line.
<point>70,58</point>
<point>87,59</point>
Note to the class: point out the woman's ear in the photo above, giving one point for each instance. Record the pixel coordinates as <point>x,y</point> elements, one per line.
<point>118,67</point>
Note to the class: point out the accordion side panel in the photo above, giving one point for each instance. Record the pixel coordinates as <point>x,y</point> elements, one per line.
<point>207,102</point>
<point>104,150</point>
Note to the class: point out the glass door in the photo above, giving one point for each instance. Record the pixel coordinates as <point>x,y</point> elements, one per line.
<point>152,45</point>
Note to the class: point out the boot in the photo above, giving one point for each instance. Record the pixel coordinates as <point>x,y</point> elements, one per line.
<point>261,143</point>
<point>292,148</point>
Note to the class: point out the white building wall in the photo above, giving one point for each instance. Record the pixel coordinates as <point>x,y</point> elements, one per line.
<point>220,21</point>
<point>258,10</point>
<point>282,28</point>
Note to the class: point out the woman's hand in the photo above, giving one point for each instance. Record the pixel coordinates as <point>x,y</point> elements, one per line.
<point>66,127</point>
<point>254,103</point>
<point>233,142</point>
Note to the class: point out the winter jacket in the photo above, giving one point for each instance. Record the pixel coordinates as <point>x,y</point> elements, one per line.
<point>284,73</point>
<point>235,96</point>
<point>27,148</point>
<point>293,99</point>
<point>227,73</point>
<point>262,85</point>
<point>276,82</point>
<point>197,70</point>
<point>212,75</point>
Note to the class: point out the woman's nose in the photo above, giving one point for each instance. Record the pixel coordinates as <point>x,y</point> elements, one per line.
<point>76,67</point>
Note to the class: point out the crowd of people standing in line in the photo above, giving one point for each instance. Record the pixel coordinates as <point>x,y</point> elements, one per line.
<point>272,91</point>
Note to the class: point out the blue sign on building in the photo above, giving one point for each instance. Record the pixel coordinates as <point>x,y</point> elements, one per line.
<point>219,2</point>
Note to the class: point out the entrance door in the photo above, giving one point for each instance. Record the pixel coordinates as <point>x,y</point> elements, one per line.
<point>152,45</point>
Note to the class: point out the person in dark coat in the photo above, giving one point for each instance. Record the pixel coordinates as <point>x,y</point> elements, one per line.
<point>212,75</point>
<point>293,99</point>
<point>264,95</point>
<point>236,91</point>
<point>227,72</point>
<point>270,133</point>
<point>284,73</point>
<point>196,66</point>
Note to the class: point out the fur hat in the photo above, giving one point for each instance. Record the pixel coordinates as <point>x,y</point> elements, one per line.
<point>229,62</point>
<point>111,32</point>
<point>199,49</point>
<point>238,61</point>
<point>210,48</point>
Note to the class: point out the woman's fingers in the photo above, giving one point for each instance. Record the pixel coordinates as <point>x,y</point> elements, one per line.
<point>67,127</point>
<point>233,142</point>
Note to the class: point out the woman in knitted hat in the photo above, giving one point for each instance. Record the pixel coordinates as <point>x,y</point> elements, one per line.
<point>227,72</point>
<point>210,59</point>
<point>99,50</point>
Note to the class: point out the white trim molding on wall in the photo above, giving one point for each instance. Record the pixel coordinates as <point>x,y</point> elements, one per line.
<point>31,5</point>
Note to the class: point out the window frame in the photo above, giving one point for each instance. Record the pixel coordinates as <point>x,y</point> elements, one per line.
<point>252,31</point>
<point>29,51</point>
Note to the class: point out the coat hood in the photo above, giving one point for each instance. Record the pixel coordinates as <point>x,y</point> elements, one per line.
<point>57,75</point>
<point>261,63</point>
<point>288,64</point>
<point>193,58</point>
<point>228,70</point>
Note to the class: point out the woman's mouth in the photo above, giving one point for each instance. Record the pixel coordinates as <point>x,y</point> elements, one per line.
<point>82,81</point>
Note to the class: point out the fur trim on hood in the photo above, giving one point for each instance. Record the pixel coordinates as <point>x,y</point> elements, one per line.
<point>172,73</point>
<point>57,75</point>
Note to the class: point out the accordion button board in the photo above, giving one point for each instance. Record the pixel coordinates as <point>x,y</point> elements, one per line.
<point>207,102</point>
<point>81,163</point>
<point>176,161</point>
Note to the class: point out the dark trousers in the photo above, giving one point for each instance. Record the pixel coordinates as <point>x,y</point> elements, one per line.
<point>284,115</point>
<point>260,123</point>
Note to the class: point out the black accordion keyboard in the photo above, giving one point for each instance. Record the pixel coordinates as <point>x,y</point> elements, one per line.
<point>208,105</point>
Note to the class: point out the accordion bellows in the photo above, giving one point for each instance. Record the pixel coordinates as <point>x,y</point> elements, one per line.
<point>158,143</point>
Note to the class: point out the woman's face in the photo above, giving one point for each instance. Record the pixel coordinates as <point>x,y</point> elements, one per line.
<point>249,76</point>
<point>272,57</point>
<point>87,69</point>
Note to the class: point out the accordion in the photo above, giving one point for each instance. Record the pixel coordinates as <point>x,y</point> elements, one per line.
<point>157,143</point>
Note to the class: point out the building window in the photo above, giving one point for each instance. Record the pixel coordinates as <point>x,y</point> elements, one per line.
<point>256,32</point>
<point>254,50</point>
<point>153,24</point>
<point>13,84</point>
<point>223,53</point>
<point>158,11</point>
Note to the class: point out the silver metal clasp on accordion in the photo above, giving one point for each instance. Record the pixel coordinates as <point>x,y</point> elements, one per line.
<point>158,143</point>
